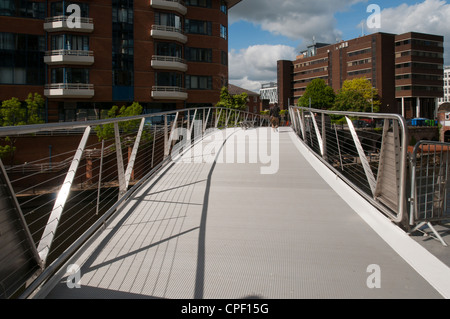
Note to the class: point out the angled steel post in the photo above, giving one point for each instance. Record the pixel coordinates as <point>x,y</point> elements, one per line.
<point>218,118</point>
<point>131,163</point>
<point>120,167</point>
<point>100,176</point>
<point>319,136</point>
<point>53,221</point>
<point>365,163</point>
<point>206,121</point>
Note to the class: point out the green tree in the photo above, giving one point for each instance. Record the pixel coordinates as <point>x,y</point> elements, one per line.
<point>35,107</point>
<point>106,131</point>
<point>319,93</point>
<point>357,95</point>
<point>12,113</point>
<point>237,102</point>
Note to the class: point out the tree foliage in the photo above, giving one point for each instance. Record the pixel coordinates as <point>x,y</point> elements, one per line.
<point>319,93</point>
<point>35,107</point>
<point>237,102</point>
<point>14,113</point>
<point>106,131</point>
<point>357,95</point>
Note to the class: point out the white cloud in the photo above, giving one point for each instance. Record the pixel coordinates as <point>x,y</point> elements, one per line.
<point>296,19</point>
<point>257,64</point>
<point>429,16</point>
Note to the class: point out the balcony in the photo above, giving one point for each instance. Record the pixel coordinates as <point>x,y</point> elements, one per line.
<point>69,90</point>
<point>163,32</point>
<point>169,93</point>
<point>169,63</point>
<point>172,5</point>
<point>61,23</point>
<point>72,57</point>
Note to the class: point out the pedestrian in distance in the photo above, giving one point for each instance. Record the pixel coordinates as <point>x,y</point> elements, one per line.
<point>275,116</point>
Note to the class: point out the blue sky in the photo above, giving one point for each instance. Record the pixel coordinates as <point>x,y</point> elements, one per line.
<point>264,31</point>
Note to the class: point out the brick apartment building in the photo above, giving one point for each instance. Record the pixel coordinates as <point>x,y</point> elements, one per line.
<point>406,69</point>
<point>253,100</point>
<point>164,54</point>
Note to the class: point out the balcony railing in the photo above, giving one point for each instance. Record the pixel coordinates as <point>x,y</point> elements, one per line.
<point>69,90</point>
<point>173,5</point>
<point>169,93</point>
<point>169,63</point>
<point>168,33</point>
<point>59,23</point>
<point>75,57</point>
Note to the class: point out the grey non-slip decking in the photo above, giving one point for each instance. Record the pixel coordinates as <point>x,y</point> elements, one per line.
<point>222,230</point>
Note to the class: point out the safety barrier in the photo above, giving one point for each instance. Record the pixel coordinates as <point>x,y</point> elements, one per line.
<point>430,182</point>
<point>367,150</point>
<point>65,197</point>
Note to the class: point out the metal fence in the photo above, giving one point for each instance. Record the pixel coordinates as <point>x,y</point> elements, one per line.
<point>430,182</point>
<point>367,150</point>
<point>65,197</point>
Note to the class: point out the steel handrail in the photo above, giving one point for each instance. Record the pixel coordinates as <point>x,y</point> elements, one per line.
<point>171,119</point>
<point>401,213</point>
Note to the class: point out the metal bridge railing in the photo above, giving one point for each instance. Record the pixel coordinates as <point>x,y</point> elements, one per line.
<point>65,197</point>
<point>430,185</point>
<point>367,150</point>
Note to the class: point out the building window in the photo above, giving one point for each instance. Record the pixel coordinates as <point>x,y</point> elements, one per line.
<point>22,59</point>
<point>194,82</point>
<point>168,79</point>
<point>199,3</point>
<point>70,75</point>
<point>198,27</point>
<point>198,55</point>
<point>223,32</point>
<point>57,8</point>
<point>168,20</point>
<point>70,42</point>
<point>223,6</point>
<point>168,49</point>
<point>22,9</point>
<point>224,58</point>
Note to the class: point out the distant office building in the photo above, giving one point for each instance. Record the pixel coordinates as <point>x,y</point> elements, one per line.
<point>269,91</point>
<point>406,69</point>
<point>446,97</point>
<point>164,54</point>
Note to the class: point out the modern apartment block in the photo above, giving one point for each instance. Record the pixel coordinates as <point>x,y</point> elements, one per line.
<point>269,91</point>
<point>164,54</point>
<point>406,69</point>
<point>446,97</point>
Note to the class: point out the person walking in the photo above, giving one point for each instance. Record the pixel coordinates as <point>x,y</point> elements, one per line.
<point>275,116</point>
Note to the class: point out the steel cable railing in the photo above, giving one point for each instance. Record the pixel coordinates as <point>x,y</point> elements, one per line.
<point>367,150</point>
<point>66,197</point>
<point>430,183</point>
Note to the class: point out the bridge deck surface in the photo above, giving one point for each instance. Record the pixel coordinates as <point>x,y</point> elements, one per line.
<point>220,230</point>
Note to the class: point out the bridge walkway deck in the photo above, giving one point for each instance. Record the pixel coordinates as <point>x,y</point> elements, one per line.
<point>204,229</point>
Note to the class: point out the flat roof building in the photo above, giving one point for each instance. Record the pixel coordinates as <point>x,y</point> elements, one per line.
<point>269,91</point>
<point>446,97</point>
<point>164,54</point>
<point>406,69</point>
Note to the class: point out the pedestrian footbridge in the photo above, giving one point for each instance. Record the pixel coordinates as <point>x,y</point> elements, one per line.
<point>215,204</point>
